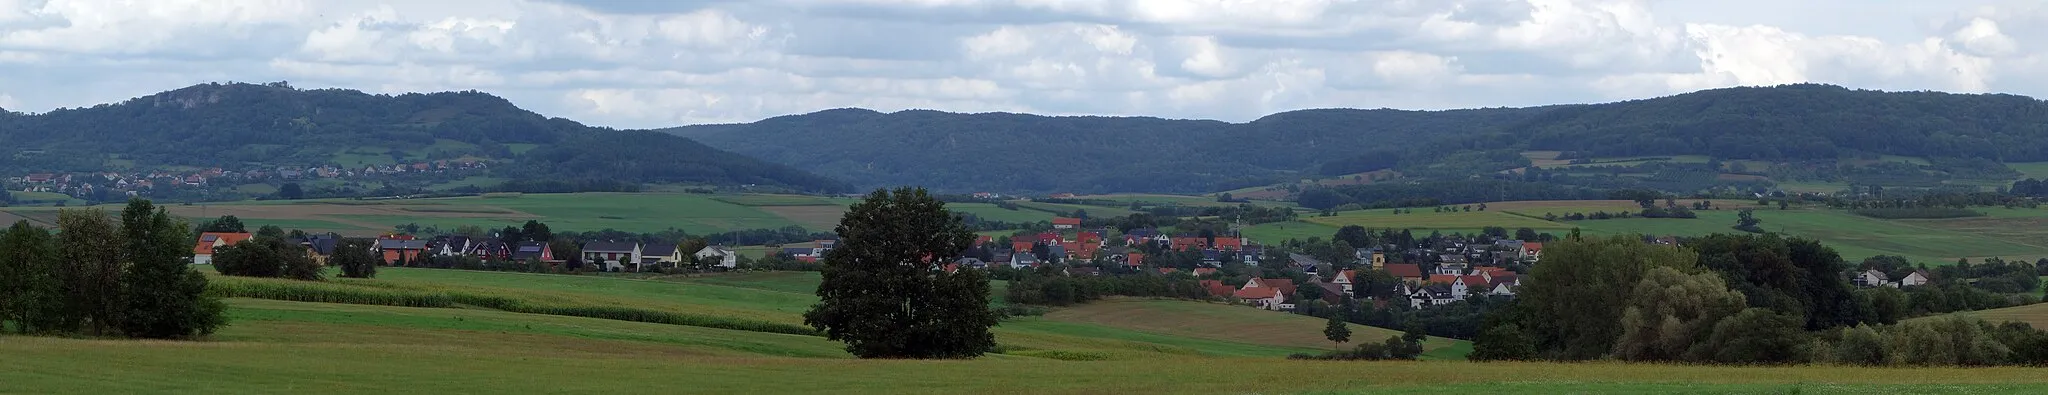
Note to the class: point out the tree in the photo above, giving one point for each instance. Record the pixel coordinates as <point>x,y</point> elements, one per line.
<point>1353,236</point>
<point>1747,221</point>
<point>1756,336</point>
<point>1505,342</point>
<point>1670,311</point>
<point>271,231</point>
<point>1526,234</point>
<point>353,256</point>
<point>30,293</point>
<point>226,224</point>
<point>883,292</point>
<point>534,230</point>
<point>90,247</point>
<point>1336,330</point>
<point>165,298</point>
<point>291,191</point>
<point>1582,289</point>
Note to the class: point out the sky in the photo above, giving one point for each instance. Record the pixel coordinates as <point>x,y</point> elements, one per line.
<point>647,64</point>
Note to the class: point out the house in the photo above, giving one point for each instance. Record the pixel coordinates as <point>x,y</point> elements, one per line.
<point>1065,223</point>
<point>1304,261</point>
<point>1022,246</point>
<point>1228,243</point>
<point>660,255</point>
<point>1204,271</point>
<point>1504,285</point>
<point>1871,278</point>
<point>202,251</point>
<point>1250,254</point>
<point>1407,272</point>
<point>1022,260</point>
<point>450,246</point>
<point>802,252</point>
<point>1532,252</point>
<point>1168,271</point>
<point>1434,294</point>
<point>1451,264</point>
<point>1284,285</point>
<point>1134,259</point>
<point>1344,279</point>
<point>1466,286</point>
<point>718,256</point>
<point>1185,243</point>
<point>1332,293</point>
<point>1914,279</point>
<point>534,250</point>
<point>319,247</point>
<point>401,251</point>
<point>614,256</point>
<point>968,262</point>
<point>1262,297</point>
<point>492,250</point>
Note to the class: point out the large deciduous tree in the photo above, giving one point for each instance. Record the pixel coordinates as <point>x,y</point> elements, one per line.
<point>164,298</point>
<point>884,291</point>
<point>30,291</point>
<point>90,246</point>
<point>1670,311</point>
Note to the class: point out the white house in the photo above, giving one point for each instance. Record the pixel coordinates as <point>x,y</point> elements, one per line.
<point>718,256</point>
<point>1871,278</point>
<point>1344,279</point>
<point>1914,279</point>
<point>616,256</point>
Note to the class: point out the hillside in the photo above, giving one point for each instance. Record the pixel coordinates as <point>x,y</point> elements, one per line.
<point>1022,153</point>
<point>244,126</point>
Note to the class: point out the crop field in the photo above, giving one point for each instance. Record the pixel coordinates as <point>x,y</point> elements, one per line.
<point>1855,237</point>
<point>989,211</point>
<point>1093,211</point>
<point>2033,314</point>
<point>275,346</point>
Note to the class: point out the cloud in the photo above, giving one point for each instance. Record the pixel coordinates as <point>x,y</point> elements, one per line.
<point>654,64</point>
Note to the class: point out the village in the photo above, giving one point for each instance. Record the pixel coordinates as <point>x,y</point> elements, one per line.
<point>113,185</point>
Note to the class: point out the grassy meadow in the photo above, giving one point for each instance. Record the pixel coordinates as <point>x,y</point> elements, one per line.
<point>1114,346</point>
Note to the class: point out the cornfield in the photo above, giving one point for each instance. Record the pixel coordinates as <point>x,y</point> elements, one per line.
<point>388,294</point>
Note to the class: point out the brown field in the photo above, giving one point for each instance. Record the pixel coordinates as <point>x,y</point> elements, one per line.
<point>814,217</point>
<point>7,218</point>
<point>1545,158</point>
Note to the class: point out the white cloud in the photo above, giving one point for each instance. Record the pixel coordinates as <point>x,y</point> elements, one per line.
<point>722,61</point>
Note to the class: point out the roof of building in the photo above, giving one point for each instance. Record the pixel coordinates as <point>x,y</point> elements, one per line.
<point>1443,278</point>
<point>1256,293</point>
<point>1066,221</point>
<point>207,240</point>
<point>393,244</point>
<point>662,249</point>
<point>1285,285</point>
<point>1404,270</point>
<point>610,246</point>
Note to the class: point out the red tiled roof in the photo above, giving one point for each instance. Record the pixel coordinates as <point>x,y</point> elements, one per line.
<point>1285,285</point>
<point>1229,243</point>
<point>206,241</point>
<point>1474,280</point>
<point>1404,270</point>
<point>1443,278</point>
<point>1134,259</point>
<point>1204,271</point>
<point>1020,246</point>
<point>1347,275</point>
<point>1256,293</point>
<point>1066,221</point>
<point>1533,247</point>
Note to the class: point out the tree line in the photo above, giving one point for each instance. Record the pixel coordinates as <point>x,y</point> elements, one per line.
<point>103,275</point>
<point>1740,299</point>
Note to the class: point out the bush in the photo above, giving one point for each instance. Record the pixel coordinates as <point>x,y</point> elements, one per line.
<point>1394,348</point>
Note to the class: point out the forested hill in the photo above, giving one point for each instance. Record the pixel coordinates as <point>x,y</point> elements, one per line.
<point>229,125</point>
<point>1022,152</point>
<point>1030,153</point>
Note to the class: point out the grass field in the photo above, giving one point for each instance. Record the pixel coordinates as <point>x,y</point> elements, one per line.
<point>989,211</point>
<point>1149,346</point>
<point>1093,211</point>
<point>1425,219</point>
<point>2035,170</point>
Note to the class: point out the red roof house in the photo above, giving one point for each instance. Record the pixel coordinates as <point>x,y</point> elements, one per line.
<point>1405,271</point>
<point>202,252</point>
<point>1065,223</point>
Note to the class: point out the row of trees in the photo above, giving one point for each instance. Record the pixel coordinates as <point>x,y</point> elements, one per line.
<point>105,276</point>
<point>1727,299</point>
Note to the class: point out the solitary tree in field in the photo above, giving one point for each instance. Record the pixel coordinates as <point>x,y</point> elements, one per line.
<point>1337,331</point>
<point>354,258</point>
<point>884,292</point>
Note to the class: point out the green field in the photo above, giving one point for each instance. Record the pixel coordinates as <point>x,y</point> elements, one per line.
<point>277,346</point>
<point>2036,170</point>
<point>1093,211</point>
<point>1425,219</point>
<point>989,211</point>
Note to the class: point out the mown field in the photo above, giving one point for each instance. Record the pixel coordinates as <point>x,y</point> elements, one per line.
<point>1144,346</point>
